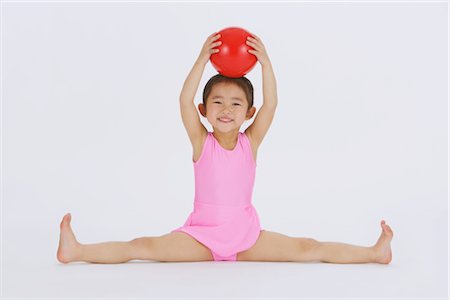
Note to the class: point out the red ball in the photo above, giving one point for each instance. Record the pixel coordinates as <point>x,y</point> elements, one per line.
<point>233,58</point>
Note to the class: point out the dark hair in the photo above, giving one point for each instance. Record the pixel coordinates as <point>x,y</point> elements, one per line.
<point>241,82</point>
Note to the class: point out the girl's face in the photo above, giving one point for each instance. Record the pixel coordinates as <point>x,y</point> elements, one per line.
<point>227,107</point>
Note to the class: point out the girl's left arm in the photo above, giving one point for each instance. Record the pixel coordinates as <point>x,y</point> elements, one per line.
<point>258,129</point>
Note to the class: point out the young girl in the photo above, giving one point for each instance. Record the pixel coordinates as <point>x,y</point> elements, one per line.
<point>224,225</point>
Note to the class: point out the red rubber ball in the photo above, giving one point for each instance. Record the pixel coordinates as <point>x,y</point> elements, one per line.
<point>233,58</point>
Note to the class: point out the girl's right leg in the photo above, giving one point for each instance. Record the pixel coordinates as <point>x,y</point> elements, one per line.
<point>176,246</point>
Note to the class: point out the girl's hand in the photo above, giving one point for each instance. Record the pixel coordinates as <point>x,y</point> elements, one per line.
<point>208,47</point>
<point>259,50</point>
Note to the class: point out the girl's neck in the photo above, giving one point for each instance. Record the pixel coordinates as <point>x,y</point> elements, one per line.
<point>227,139</point>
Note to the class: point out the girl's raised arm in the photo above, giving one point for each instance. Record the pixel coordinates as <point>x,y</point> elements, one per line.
<point>264,117</point>
<point>189,114</point>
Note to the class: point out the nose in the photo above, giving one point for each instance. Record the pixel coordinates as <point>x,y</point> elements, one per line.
<point>229,108</point>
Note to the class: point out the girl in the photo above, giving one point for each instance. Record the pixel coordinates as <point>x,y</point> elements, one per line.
<point>224,225</point>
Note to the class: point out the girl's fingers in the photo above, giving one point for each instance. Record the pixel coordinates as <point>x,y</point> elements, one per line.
<point>211,44</point>
<point>212,37</point>
<point>254,36</point>
<point>216,44</point>
<point>254,45</point>
<point>254,41</point>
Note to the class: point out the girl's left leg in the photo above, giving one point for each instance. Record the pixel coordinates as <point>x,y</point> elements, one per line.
<point>272,246</point>
<point>341,253</point>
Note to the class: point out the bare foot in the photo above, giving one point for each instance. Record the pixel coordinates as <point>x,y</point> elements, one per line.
<point>69,248</point>
<point>383,253</point>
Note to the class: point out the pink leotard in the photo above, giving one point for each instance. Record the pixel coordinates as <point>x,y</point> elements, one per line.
<point>224,219</point>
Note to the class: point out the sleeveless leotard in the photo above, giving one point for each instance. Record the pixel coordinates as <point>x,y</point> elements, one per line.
<point>223,218</point>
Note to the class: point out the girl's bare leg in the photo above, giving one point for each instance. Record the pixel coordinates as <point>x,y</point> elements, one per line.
<point>273,246</point>
<point>70,250</point>
<point>171,247</point>
<point>341,253</point>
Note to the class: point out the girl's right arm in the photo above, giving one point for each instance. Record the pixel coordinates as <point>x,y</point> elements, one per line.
<point>189,114</point>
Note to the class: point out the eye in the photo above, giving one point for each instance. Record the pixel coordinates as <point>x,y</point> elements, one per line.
<point>237,104</point>
<point>216,102</point>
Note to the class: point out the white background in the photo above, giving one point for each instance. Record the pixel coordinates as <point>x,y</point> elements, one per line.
<point>91,125</point>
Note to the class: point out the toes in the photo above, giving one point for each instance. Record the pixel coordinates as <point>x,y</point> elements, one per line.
<point>384,225</point>
<point>65,219</point>
<point>388,230</point>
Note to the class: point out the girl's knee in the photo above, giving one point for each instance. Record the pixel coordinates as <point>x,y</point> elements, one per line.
<point>308,244</point>
<point>142,247</point>
<point>308,249</point>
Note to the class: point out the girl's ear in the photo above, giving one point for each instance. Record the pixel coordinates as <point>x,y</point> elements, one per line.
<point>250,113</point>
<point>202,109</point>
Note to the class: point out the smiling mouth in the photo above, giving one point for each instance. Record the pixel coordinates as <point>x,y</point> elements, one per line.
<point>225,120</point>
